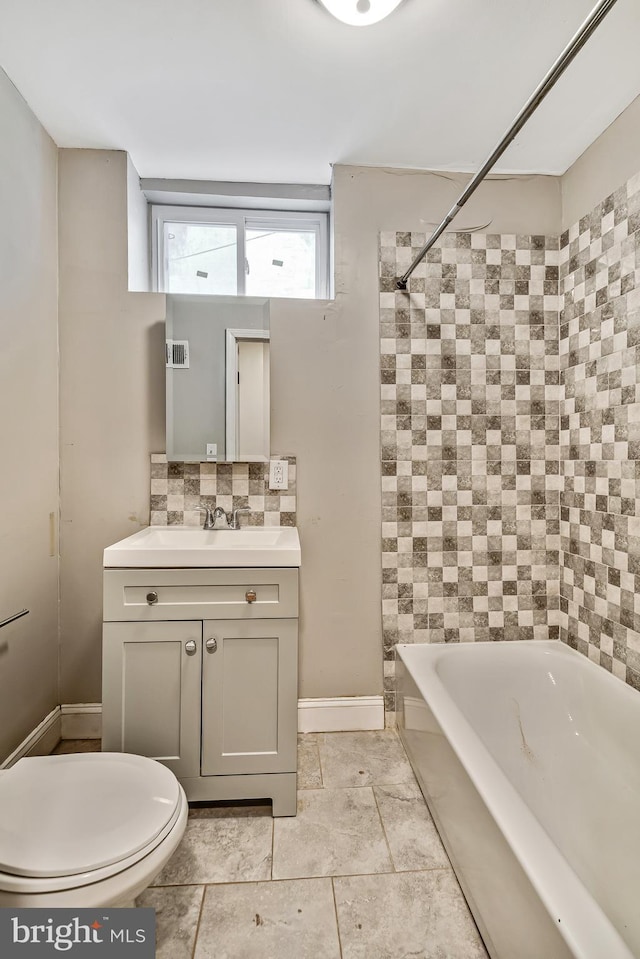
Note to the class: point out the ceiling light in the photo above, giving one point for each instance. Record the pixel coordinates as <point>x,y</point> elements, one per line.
<point>360,13</point>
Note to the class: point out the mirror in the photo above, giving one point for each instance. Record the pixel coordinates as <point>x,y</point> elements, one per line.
<point>217,353</point>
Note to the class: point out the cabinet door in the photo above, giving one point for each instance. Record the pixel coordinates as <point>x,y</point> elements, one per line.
<point>249,696</point>
<point>151,692</point>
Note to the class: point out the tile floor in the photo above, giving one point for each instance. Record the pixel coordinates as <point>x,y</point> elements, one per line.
<point>359,873</point>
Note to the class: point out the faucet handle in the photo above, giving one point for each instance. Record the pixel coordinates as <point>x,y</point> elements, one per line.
<point>234,524</point>
<point>208,519</point>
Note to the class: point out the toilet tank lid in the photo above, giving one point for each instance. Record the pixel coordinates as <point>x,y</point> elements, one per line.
<point>65,815</point>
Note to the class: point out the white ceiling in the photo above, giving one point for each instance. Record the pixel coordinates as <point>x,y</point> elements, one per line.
<point>277,90</point>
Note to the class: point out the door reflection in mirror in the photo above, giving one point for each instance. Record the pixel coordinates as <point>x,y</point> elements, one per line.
<point>247,359</point>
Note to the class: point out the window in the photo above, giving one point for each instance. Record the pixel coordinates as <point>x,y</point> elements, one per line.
<point>240,252</point>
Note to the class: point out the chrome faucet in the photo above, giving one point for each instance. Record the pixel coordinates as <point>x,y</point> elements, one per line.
<point>218,519</point>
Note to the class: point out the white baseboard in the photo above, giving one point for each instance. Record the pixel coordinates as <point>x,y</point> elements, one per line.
<point>345,713</point>
<point>84,721</point>
<point>81,721</point>
<point>40,741</point>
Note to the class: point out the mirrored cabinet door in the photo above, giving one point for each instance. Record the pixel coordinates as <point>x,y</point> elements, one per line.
<point>218,394</point>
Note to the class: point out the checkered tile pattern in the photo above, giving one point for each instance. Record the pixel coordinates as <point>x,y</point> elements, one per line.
<point>177,489</point>
<point>470,441</point>
<point>600,433</point>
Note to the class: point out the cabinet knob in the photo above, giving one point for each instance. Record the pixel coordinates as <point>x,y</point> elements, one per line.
<point>212,645</point>
<point>152,598</point>
<point>250,595</point>
<point>191,647</point>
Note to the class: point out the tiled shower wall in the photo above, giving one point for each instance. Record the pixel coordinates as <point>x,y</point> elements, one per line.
<point>511,438</point>
<point>470,440</point>
<point>177,489</point>
<point>600,433</point>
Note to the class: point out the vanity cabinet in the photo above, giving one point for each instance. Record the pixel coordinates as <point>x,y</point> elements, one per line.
<point>200,672</point>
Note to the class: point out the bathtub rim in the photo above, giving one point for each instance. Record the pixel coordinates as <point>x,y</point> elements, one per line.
<point>580,919</point>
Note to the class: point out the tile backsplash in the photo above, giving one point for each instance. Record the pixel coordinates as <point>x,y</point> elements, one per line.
<point>177,489</point>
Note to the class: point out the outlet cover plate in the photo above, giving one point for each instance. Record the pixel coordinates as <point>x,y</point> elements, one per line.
<point>278,474</point>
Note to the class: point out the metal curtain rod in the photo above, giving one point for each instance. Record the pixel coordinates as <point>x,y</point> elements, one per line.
<point>574,46</point>
<point>10,619</point>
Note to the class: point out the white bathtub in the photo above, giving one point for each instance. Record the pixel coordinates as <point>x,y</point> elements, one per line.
<point>529,758</point>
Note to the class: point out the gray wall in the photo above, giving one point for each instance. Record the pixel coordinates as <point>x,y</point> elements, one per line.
<point>325,404</point>
<point>29,420</point>
<point>111,399</point>
<point>609,162</point>
<point>137,232</point>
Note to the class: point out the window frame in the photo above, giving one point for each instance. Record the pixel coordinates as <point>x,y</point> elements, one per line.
<point>242,219</point>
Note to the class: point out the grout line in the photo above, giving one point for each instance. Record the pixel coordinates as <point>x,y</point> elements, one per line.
<point>322,786</point>
<point>349,875</point>
<point>401,782</point>
<point>195,938</point>
<point>181,885</point>
<point>320,764</point>
<point>335,908</point>
<point>273,845</point>
<point>384,831</point>
<point>372,875</point>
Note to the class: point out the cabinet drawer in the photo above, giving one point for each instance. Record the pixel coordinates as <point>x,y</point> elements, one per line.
<point>199,594</point>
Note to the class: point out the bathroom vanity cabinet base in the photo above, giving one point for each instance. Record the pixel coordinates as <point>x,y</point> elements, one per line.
<point>214,698</point>
<point>280,788</point>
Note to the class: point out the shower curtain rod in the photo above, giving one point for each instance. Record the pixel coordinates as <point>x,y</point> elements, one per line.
<point>592,22</point>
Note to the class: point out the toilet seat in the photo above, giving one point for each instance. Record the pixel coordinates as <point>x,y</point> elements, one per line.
<point>67,821</point>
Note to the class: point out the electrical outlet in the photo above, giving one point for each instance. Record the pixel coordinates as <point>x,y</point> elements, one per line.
<point>278,474</point>
<point>212,451</point>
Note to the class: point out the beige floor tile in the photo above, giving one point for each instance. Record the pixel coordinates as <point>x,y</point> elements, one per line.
<point>221,848</point>
<point>418,914</point>
<point>274,920</point>
<point>177,913</point>
<point>337,832</point>
<point>374,758</point>
<point>413,839</point>
<point>309,774</point>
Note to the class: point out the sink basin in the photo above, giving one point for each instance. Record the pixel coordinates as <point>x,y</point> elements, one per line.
<point>190,546</point>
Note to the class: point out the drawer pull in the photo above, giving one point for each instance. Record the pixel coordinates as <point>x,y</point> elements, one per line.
<point>212,645</point>
<point>191,647</point>
<point>152,598</point>
<point>250,595</point>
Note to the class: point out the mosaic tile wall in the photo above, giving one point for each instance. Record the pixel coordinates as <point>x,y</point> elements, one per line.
<point>177,489</point>
<point>600,433</point>
<point>470,441</point>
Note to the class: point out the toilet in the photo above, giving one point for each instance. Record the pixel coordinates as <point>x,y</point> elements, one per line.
<point>85,830</point>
